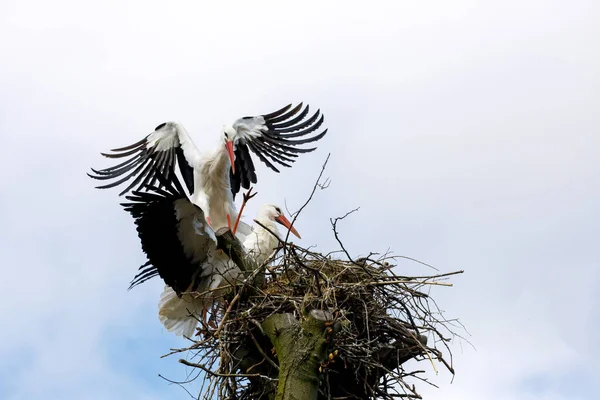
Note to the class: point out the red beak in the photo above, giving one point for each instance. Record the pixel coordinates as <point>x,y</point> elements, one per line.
<point>229,147</point>
<point>285,222</point>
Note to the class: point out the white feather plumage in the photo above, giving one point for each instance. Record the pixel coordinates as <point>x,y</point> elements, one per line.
<point>180,315</point>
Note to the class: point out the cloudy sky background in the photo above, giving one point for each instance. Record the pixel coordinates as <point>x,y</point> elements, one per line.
<point>466,131</point>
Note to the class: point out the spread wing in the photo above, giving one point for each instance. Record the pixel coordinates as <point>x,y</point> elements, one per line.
<point>156,154</point>
<point>174,235</point>
<point>275,138</point>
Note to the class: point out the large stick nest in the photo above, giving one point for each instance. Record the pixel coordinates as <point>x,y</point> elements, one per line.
<point>381,320</point>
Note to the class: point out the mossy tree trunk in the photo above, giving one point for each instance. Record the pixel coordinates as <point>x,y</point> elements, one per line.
<point>301,347</point>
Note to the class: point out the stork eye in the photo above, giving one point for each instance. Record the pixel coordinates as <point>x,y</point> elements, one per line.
<point>278,210</point>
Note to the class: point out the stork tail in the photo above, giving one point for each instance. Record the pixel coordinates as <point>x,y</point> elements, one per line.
<point>179,314</point>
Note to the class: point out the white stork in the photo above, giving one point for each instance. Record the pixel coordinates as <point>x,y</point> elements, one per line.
<point>182,250</point>
<point>214,178</point>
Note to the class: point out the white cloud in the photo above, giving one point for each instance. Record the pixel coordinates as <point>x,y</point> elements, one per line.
<point>465,130</point>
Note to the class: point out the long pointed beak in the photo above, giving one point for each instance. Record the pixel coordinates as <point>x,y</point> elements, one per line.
<point>285,222</point>
<point>229,147</point>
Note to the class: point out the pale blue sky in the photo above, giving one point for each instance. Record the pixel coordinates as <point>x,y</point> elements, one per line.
<point>467,131</point>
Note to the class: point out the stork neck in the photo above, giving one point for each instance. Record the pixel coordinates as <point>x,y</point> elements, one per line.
<point>262,243</point>
<point>218,158</point>
<point>213,178</point>
<point>272,226</point>
<point>220,155</point>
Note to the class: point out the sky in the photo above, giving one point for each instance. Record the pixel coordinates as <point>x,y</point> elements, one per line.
<point>466,132</point>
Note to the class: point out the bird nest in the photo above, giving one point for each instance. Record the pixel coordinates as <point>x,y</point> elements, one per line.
<point>372,321</point>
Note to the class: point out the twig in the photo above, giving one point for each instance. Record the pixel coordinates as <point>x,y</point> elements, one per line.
<point>180,384</point>
<point>309,197</point>
<point>260,350</point>
<point>208,371</point>
<point>335,233</point>
<point>397,282</point>
<point>268,230</point>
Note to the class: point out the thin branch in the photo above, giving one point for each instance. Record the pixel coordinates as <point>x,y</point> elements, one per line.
<point>309,197</point>
<point>260,350</point>
<point>208,371</point>
<point>336,235</point>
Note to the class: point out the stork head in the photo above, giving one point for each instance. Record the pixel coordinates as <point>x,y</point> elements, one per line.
<point>230,137</point>
<point>273,213</point>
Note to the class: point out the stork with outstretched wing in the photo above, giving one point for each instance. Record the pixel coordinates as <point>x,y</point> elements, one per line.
<point>214,178</point>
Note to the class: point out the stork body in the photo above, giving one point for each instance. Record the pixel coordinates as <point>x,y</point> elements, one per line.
<point>181,248</point>
<point>206,174</point>
<point>212,190</point>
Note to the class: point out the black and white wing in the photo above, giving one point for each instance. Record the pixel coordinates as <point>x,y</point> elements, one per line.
<point>156,154</point>
<point>274,138</point>
<point>174,235</point>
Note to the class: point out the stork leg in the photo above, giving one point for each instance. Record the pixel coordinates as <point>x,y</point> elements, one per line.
<point>205,321</point>
<point>247,196</point>
<point>204,314</point>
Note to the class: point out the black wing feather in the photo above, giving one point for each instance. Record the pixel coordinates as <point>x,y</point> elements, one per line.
<point>244,164</point>
<point>187,172</point>
<point>284,116</point>
<point>157,226</point>
<point>292,122</point>
<point>276,143</point>
<point>282,145</point>
<point>277,113</point>
<point>309,124</point>
<point>147,271</point>
<point>273,153</point>
<point>143,165</point>
<point>118,169</point>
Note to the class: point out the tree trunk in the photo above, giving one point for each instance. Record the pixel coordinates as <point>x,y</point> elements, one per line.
<point>301,348</point>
